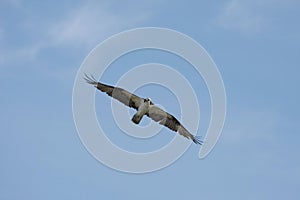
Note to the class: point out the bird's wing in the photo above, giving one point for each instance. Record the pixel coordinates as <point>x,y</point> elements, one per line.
<point>120,94</point>
<point>168,120</point>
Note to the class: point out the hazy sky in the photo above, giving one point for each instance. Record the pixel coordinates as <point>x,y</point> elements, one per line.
<point>255,45</point>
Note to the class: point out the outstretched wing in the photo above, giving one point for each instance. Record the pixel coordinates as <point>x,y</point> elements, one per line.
<point>120,94</point>
<point>168,120</point>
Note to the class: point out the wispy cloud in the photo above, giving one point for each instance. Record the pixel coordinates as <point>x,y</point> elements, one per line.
<point>255,16</point>
<point>242,16</point>
<point>251,126</point>
<point>81,26</point>
<point>92,23</point>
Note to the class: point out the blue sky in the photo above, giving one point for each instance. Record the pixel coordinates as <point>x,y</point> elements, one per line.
<point>255,45</point>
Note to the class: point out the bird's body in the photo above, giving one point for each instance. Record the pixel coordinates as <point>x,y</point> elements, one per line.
<point>142,110</point>
<point>143,107</point>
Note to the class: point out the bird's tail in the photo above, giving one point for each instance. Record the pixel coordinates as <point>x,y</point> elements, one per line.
<point>137,118</point>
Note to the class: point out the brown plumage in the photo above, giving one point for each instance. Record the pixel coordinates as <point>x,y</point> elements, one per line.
<point>143,107</point>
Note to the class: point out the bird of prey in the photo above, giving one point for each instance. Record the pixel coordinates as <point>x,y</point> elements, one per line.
<point>143,107</point>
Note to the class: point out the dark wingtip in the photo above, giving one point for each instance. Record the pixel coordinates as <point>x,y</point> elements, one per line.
<point>90,79</point>
<point>197,140</point>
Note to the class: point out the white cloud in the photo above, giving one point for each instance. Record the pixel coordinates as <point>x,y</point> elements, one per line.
<point>244,16</point>
<point>79,27</point>
<point>250,126</point>
<point>13,3</point>
<point>90,24</point>
<point>255,16</point>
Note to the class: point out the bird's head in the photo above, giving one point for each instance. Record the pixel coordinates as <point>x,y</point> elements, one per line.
<point>148,100</point>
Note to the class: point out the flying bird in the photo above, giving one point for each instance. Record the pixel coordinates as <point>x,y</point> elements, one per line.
<point>143,107</point>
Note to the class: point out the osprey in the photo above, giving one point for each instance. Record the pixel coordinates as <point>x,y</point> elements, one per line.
<point>143,107</point>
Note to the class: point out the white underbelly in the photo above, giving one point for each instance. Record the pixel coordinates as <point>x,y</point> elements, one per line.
<point>143,109</point>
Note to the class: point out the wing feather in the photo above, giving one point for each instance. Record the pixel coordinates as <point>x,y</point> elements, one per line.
<point>120,94</point>
<point>133,101</point>
<point>168,120</point>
